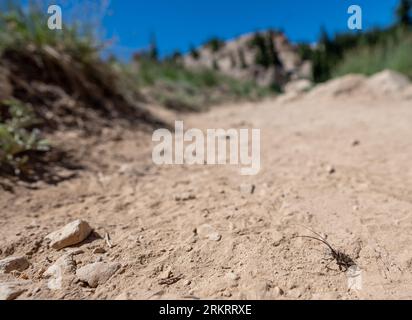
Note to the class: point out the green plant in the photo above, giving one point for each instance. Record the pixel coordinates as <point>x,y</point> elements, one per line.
<point>19,27</point>
<point>18,136</point>
<point>180,88</point>
<point>388,54</point>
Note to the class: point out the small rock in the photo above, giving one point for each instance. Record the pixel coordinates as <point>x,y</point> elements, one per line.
<point>71,234</point>
<point>278,291</point>
<point>277,238</point>
<point>232,276</point>
<point>208,232</point>
<point>246,188</point>
<point>226,294</point>
<point>11,290</point>
<point>97,273</point>
<point>355,143</point>
<point>166,274</point>
<point>13,264</point>
<point>185,197</point>
<point>59,272</point>
<point>330,169</point>
<point>99,250</point>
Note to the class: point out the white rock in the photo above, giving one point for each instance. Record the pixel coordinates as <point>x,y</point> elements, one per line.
<point>71,234</point>
<point>97,273</point>
<point>277,238</point>
<point>58,271</point>
<point>246,188</point>
<point>11,290</point>
<point>298,86</point>
<point>208,232</point>
<point>232,276</point>
<point>13,263</point>
<point>277,291</point>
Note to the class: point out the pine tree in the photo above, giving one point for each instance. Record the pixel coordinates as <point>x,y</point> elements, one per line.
<point>404,13</point>
<point>194,52</point>
<point>274,57</point>
<point>153,51</point>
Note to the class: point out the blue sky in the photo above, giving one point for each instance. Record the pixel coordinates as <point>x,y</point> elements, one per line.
<point>179,23</point>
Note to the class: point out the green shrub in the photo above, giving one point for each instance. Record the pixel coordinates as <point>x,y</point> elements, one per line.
<point>389,54</point>
<point>180,88</point>
<point>18,136</point>
<point>19,28</point>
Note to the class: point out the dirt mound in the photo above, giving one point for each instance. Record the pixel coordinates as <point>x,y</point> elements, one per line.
<point>68,91</point>
<point>342,86</point>
<point>385,83</point>
<point>388,82</point>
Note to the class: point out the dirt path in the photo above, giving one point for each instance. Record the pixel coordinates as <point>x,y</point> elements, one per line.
<point>340,166</point>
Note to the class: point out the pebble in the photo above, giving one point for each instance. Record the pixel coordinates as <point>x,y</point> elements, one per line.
<point>97,273</point>
<point>232,276</point>
<point>246,188</point>
<point>277,238</point>
<point>208,232</point>
<point>185,197</point>
<point>166,274</point>
<point>13,264</point>
<point>71,234</point>
<point>99,250</point>
<point>277,292</point>
<point>59,271</point>
<point>330,169</point>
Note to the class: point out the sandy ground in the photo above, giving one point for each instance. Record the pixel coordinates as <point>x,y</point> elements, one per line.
<point>340,166</point>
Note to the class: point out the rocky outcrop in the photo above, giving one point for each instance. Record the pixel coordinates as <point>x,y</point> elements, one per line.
<point>267,58</point>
